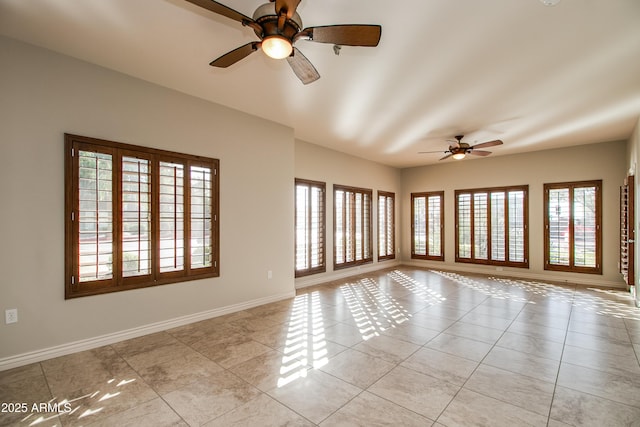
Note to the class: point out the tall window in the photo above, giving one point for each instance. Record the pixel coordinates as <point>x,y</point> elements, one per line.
<point>427,225</point>
<point>492,226</point>
<point>310,227</point>
<point>572,226</point>
<point>352,226</point>
<point>137,217</point>
<point>386,225</point>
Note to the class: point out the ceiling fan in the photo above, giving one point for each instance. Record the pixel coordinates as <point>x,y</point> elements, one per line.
<point>279,27</point>
<point>458,150</point>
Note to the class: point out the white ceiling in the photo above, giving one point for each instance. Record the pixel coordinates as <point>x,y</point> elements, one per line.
<point>536,77</point>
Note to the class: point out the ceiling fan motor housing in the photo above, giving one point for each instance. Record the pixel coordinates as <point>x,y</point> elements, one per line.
<point>461,148</point>
<point>266,16</point>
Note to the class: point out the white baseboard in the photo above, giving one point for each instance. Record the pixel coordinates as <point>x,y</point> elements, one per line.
<point>90,343</point>
<point>318,279</point>
<point>517,273</point>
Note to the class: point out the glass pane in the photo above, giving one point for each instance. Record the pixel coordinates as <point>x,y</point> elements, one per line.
<point>390,226</point>
<point>480,225</point>
<point>136,216</point>
<point>419,226</point>
<point>340,226</point>
<point>201,219</point>
<point>317,227</point>
<point>516,226</point>
<point>359,241</point>
<point>348,227</point>
<point>558,217</point>
<point>498,235</point>
<point>366,232</point>
<point>353,233</point>
<point>95,216</point>
<point>584,226</point>
<point>171,211</point>
<point>302,230</point>
<point>382,226</point>
<point>464,225</point>
<point>434,220</point>
<point>385,226</point>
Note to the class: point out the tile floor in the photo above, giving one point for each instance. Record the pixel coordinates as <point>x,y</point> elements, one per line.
<point>402,346</point>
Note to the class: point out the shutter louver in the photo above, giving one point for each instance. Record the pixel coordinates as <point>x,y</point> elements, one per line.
<point>201,217</point>
<point>435,219</point>
<point>95,216</point>
<point>136,216</point>
<point>171,213</point>
<point>352,238</point>
<point>309,227</point>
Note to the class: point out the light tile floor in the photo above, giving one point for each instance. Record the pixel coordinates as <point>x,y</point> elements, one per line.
<point>401,346</point>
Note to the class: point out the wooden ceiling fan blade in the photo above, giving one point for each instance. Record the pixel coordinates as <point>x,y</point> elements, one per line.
<point>235,55</point>
<point>221,9</point>
<point>288,6</point>
<point>447,156</point>
<point>345,35</point>
<point>479,152</point>
<point>302,67</point>
<point>431,152</point>
<point>488,144</point>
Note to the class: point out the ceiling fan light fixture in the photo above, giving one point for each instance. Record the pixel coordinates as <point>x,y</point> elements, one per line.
<point>459,156</point>
<point>277,47</point>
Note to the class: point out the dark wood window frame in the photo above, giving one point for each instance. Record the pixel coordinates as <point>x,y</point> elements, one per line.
<point>571,267</point>
<point>427,234</point>
<point>473,258</point>
<point>199,214</point>
<point>386,226</point>
<point>627,230</point>
<point>349,247</point>
<point>308,225</point>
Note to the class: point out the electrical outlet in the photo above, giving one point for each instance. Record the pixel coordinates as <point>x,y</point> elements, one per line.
<point>11,315</point>
<point>269,274</point>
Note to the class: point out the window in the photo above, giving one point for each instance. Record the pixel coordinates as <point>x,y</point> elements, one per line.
<point>492,226</point>
<point>309,227</point>
<point>137,217</point>
<point>386,225</point>
<point>572,226</point>
<point>352,226</point>
<point>427,225</point>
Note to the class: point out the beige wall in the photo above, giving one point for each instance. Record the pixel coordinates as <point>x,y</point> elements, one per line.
<point>42,96</point>
<point>332,167</point>
<point>604,161</point>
